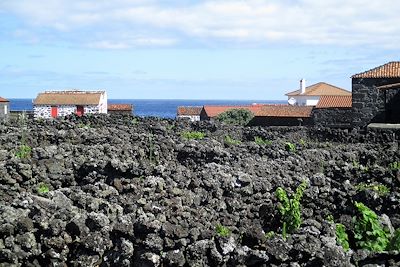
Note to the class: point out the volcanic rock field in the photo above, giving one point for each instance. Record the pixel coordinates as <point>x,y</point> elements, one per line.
<point>128,191</point>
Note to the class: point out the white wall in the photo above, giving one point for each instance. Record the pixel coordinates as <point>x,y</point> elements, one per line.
<point>103,103</point>
<point>192,118</point>
<point>306,100</point>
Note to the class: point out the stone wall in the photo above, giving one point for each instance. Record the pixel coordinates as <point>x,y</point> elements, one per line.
<point>332,117</point>
<point>280,121</point>
<point>369,102</point>
<point>91,109</point>
<point>4,110</point>
<point>42,112</point>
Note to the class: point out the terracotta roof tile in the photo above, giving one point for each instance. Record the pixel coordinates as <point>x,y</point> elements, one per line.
<point>334,102</point>
<point>388,70</point>
<point>284,111</point>
<point>119,107</point>
<point>3,100</point>
<point>319,89</point>
<point>68,98</point>
<point>213,111</point>
<point>188,111</point>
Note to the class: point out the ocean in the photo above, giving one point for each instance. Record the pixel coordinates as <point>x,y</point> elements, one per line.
<point>163,108</point>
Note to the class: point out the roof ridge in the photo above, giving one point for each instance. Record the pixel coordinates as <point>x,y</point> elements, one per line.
<point>359,75</point>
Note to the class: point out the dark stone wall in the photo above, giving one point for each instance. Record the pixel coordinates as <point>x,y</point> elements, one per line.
<point>332,117</point>
<point>369,103</point>
<point>280,121</point>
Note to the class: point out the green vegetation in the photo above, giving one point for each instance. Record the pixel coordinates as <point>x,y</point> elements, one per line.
<point>260,141</point>
<point>302,142</point>
<point>341,236</point>
<point>381,189</point>
<point>290,147</point>
<point>270,235</point>
<point>395,242</point>
<point>222,231</point>
<point>394,166</point>
<point>230,141</point>
<point>23,152</point>
<point>43,188</point>
<point>290,209</point>
<point>360,167</point>
<point>236,117</point>
<point>193,135</point>
<point>83,125</point>
<point>368,231</point>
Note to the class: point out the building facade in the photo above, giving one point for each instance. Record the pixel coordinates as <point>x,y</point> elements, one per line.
<point>4,109</point>
<point>52,104</point>
<point>192,113</point>
<point>118,109</point>
<point>376,95</point>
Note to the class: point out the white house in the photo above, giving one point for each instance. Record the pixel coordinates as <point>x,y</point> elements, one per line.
<point>51,104</point>
<point>310,96</point>
<point>192,113</point>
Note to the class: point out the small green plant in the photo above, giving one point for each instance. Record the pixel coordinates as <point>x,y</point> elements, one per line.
<point>329,218</point>
<point>368,231</point>
<point>134,121</point>
<point>290,147</point>
<point>193,135</point>
<point>222,231</point>
<point>260,141</point>
<point>236,117</point>
<point>341,236</point>
<point>270,235</point>
<point>43,188</point>
<point>23,152</point>
<point>230,141</point>
<point>302,142</point>
<point>381,189</point>
<point>290,209</point>
<point>394,166</point>
<point>83,125</point>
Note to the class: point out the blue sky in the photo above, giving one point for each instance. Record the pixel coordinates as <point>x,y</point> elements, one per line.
<point>187,49</point>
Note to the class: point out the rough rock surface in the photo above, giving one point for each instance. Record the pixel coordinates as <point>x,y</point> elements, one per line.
<point>126,191</point>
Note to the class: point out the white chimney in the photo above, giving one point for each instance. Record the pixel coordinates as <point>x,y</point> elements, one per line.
<point>302,86</point>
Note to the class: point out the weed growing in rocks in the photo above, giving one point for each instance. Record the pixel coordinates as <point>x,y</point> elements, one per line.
<point>193,135</point>
<point>341,236</point>
<point>270,235</point>
<point>260,141</point>
<point>222,231</point>
<point>381,189</point>
<point>368,231</point>
<point>83,125</point>
<point>43,188</point>
<point>394,166</point>
<point>230,141</point>
<point>236,117</point>
<point>290,209</point>
<point>23,152</point>
<point>290,147</point>
<point>395,242</point>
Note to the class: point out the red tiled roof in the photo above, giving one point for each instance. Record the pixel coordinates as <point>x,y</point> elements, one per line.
<point>3,99</point>
<point>334,102</point>
<point>119,107</point>
<point>284,111</point>
<point>213,111</point>
<point>188,111</point>
<point>319,89</point>
<point>388,70</point>
<point>69,98</point>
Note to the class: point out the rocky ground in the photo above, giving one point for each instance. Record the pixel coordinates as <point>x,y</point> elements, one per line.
<point>124,191</point>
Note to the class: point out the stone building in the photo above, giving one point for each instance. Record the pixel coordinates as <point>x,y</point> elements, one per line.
<point>376,95</point>
<point>333,111</point>
<point>51,104</point>
<point>310,95</point>
<point>4,109</point>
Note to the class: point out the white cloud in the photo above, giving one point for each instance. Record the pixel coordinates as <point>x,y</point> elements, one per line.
<point>257,22</point>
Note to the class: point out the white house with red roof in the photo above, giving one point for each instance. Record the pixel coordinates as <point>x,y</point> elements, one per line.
<point>51,104</point>
<point>4,108</point>
<point>310,95</point>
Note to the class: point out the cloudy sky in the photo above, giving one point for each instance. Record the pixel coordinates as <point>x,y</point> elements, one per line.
<point>188,49</point>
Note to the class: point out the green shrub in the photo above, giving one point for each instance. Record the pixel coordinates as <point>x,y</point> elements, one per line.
<point>290,209</point>
<point>260,141</point>
<point>394,166</point>
<point>368,231</point>
<point>395,242</point>
<point>381,189</point>
<point>222,231</point>
<point>230,141</point>
<point>270,235</point>
<point>341,236</point>
<point>236,117</point>
<point>193,135</point>
<point>290,147</point>
<point>24,151</point>
<point>43,188</point>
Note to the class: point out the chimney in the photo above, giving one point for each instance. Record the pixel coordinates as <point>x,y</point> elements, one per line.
<point>302,86</point>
